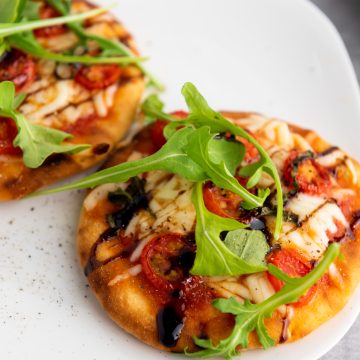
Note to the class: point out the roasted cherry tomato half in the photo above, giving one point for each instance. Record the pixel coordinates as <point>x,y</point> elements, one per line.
<point>157,129</point>
<point>292,264</point>
<point>166,261</point>
<point>157,133</point>
<point>47,12</point>
<point>8,132</point>
<point>98,76</point>
<point>305,174</point>
<point>18,68</point>
<point>251,153</point>
<point>221,202</point>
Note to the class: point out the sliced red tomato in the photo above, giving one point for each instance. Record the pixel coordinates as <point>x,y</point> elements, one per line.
<point>18,68</point>
<point>251,153</point>
<point>8,132</point>
<point>304,173</point>
<point>98,76</point>
<point>157,129</point>
<point>47,12</point>
<point>166,260</point>
<point>292,264</point>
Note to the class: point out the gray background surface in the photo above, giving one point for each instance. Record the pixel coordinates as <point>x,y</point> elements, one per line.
<point>345,14</point>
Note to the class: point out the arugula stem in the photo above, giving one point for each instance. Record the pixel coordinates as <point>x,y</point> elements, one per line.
<point>118,173</point>
<point>16,28</point>
<point>23,44</point>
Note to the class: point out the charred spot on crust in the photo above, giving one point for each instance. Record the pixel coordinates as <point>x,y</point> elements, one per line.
<point>101,149</point>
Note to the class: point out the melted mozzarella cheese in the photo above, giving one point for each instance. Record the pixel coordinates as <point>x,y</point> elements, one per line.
<point>303,204</point>
<point>312,238</point>
<point>331,159</point>
<point>52,99</point>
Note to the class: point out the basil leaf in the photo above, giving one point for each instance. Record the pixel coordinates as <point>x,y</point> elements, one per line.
<point>170,157</point>
<point>28,43</point>
<point>249,245</point>
<point>250,317</point>
<point>213,257</point>
<point>37,142</point>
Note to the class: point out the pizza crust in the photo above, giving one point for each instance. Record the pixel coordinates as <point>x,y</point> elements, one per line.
<point>134,307</point>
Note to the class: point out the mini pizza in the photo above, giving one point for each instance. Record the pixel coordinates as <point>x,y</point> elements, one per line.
<point>158,250</point>
<point>94,103</point>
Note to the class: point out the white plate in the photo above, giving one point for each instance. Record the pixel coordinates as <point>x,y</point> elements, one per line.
<point>279,57</point>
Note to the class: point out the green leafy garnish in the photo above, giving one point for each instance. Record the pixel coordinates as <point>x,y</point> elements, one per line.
<point>153,107</point>
<point>11,28</point>
<point>36,142</point>
<point>28,44</point>
<point>250,245</point>
<point>109,48</point>
<point>213,257</point>
<point>9,10</point>
<point>250,317</point>
<point>208,157</point>
<point>170,157</point>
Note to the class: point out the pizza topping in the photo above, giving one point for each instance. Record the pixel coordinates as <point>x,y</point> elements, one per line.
<point>8,132</point>
<point>18,68</point>
<point>133,271</point>
<point>250,317</point>
<point>316,231</point>
<point>169,325</point>
<point>47,12</point>
<point>221,202</point>
<point>303,205</point>
<point>157,129</point>
<point>166,261</point>
<point>36,142</point>
<point>290,262</point>
<point>98,76</point>
<point>331,157</point>
<point>301,172</point>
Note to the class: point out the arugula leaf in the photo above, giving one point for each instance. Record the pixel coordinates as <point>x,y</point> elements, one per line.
<point>216,167</point>
<point>170,157</point>
<point>28,43</point>
<point>7,29</point>
<point>152,107</point>
<point>109,47</point>
<point>201,114</point>
<point>36,142</point>
<point>250,245</point>
<point>10,10</point>
<point>31,10</point>
<point>250,317</point>
<point>198,145</point>
<point>213,257</point>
